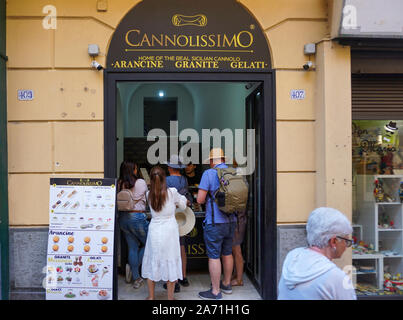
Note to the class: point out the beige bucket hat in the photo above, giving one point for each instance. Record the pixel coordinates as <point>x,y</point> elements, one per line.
<point>186,220</point>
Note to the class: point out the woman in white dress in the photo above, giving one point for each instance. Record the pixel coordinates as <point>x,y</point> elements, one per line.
<point>162,256</point>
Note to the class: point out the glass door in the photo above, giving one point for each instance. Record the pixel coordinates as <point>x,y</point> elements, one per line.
<point>253,239</point>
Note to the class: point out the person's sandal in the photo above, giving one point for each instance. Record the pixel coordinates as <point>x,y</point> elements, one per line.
<point>184,282</point>
<point>237,283</point>
<point>138,283</point>
<point>177,287</point>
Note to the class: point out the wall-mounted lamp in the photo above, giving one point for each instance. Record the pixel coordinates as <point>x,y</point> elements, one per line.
<point>161,94</point>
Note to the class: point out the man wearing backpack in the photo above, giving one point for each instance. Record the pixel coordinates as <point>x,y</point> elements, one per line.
<point>218,228</point>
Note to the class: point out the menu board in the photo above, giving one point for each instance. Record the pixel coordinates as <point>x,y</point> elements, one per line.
<point>81,239</point>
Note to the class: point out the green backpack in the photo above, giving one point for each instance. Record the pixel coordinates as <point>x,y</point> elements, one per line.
<point>232,195</point>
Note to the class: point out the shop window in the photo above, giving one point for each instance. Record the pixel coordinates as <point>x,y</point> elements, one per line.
<point>377,153</point>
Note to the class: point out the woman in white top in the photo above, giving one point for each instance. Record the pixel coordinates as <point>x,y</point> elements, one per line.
<point>309,273</point>
<point>162,256</point>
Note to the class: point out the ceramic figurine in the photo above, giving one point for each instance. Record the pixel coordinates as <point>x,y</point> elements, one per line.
<point>390,136</point>
<point>378,191</point>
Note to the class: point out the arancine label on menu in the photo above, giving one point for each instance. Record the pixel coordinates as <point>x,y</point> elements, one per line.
<point>81,239</point>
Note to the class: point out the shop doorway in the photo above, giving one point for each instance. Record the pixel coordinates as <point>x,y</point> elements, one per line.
<point>203,102</point>
<point>252,248</point>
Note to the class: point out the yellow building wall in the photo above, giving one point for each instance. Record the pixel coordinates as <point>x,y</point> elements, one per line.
<point>60,132</point>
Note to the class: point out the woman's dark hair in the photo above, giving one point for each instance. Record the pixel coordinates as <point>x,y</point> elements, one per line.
<point>127,179</point>
<point>158,189</point>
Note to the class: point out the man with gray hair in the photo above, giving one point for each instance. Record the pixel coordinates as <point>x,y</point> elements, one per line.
<point>309,273</point>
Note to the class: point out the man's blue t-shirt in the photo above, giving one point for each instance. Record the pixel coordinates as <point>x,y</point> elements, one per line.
<point>178,182</point>
<point>210,182</point>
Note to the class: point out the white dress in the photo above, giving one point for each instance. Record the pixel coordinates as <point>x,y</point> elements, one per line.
<point>162,256</point>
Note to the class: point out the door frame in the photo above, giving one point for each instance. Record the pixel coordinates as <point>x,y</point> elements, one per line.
<point>268,290</point>
<point>4,219</point>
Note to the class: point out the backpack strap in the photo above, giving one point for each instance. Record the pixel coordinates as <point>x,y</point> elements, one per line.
<point>212,207</point>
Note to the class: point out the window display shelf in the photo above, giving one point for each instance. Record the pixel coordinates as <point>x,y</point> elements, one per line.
<point>367,256</point>
<point>361,272</point>
<point>376,219</point>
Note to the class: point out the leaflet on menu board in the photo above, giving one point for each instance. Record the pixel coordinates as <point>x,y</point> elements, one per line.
<point>81,239</point>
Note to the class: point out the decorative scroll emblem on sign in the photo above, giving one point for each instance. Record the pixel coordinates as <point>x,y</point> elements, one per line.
<point>199,20</point>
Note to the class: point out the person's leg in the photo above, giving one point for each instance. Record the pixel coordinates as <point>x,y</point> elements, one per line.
<point>139,230</point>
<point>133,246</point>
<point>170,290</point>
<point>184,261</point>
<point>215,274</point>
<point>228,265</point>
<point>151,289</point>
<point>239,264</point>
<point>227,258</point>
<point>239,234</point>
<point>213,241</point>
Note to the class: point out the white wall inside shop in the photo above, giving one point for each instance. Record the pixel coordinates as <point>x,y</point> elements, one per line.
<point>200,105</point>
<point>219,105</point>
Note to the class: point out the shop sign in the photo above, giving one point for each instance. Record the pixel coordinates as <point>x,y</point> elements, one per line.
<point>177,35</point>
<point>81,239</point>
<point>369,19</point>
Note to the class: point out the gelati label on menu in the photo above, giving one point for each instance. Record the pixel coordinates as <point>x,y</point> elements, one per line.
<point>179,35</point>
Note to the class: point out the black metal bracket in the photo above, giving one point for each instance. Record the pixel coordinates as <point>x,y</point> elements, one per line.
<point>4,57</point>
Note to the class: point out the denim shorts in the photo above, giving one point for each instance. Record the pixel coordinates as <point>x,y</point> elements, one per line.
<point>218,239</point>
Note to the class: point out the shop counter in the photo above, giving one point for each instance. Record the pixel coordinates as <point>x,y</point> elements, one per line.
<point>194,245</point>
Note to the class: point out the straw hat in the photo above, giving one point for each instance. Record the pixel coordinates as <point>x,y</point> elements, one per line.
<point>186,220</point>
<point>215,153</point>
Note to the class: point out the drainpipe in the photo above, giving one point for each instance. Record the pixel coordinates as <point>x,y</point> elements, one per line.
<point>4,242</point>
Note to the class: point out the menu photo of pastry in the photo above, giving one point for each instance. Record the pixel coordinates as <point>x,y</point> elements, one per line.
<point>72,194</point>
<point>55,205</point>
<point>103,295</point>
<point>66,205</point>
<point>61,194</point>
<point>76,205</point>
